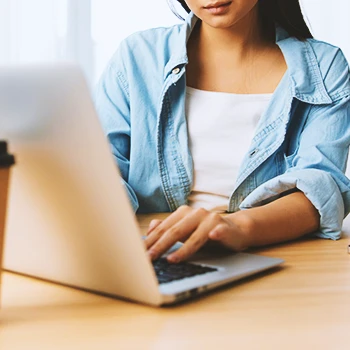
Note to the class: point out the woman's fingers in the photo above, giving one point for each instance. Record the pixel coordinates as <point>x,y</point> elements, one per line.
<point>197,239</point>
<point>213,228</point>
<point>196,227</point>
<point>153,224</point>
<point>180,231</point>
<point>155,234</point>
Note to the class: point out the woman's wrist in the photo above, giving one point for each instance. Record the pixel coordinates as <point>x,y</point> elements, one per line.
<point>246,225</point>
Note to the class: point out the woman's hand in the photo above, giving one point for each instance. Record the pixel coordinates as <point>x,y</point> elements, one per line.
<point>284,219</point>
<point>195,227</point>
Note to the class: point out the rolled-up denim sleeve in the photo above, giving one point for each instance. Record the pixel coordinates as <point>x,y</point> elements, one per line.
<point>317,168</point>
<point>112,104</point>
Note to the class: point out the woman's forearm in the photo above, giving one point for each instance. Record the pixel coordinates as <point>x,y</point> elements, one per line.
<point>284,219</point>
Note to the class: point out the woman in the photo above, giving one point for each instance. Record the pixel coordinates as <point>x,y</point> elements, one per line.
<point>238,109</point>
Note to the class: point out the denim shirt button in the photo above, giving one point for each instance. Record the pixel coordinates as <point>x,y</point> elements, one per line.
<point>176,70</point>
<point>253,153</point>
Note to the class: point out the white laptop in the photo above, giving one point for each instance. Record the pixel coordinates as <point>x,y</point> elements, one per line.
<point>69,218</point>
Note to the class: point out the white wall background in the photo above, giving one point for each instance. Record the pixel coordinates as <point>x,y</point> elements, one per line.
<point>329,21</point>
<point>112,22</point>
<point>89,31</point>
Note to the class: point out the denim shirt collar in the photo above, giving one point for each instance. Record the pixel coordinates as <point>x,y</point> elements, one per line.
<point>305,78</point>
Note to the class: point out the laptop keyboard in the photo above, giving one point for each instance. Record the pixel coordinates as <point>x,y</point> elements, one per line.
<point>167,272</point>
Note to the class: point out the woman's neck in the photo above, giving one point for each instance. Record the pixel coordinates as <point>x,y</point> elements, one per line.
<point>241,59</point>
<point>238,41</point>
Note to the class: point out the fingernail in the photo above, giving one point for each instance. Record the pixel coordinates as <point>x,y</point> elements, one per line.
<point>173,258</point>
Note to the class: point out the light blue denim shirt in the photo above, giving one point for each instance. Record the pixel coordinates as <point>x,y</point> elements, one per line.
<point>301,141</point>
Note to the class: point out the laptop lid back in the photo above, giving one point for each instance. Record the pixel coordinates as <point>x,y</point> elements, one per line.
<point>69,218</point>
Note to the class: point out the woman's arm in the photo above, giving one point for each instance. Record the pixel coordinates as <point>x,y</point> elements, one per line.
<point>112,104</point>
<point>284,219</point>
<point>287,218</point>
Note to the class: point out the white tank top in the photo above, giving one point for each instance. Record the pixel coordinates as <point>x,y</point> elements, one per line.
<point>221,127</point>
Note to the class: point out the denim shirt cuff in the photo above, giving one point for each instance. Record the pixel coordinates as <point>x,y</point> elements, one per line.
<point>317,185</point>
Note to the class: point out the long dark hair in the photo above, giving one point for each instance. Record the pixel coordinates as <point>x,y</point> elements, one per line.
<point>286,13</point>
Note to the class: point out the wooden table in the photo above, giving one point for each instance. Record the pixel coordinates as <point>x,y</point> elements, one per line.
<point>303,305</point>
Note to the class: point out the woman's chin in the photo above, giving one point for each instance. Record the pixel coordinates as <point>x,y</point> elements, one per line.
<point>219,23</point>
